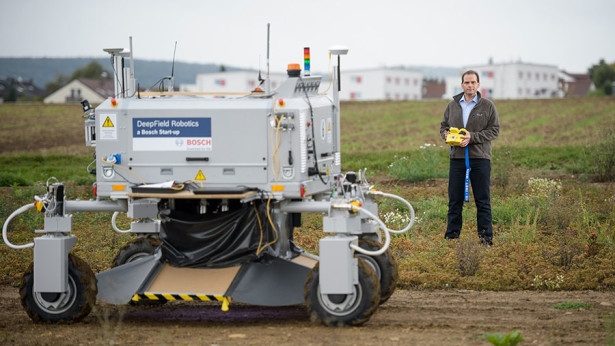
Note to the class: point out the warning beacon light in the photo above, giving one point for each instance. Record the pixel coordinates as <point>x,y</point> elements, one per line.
<point>306,61</point>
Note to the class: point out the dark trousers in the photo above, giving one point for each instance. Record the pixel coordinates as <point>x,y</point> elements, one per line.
<point>480,178</point>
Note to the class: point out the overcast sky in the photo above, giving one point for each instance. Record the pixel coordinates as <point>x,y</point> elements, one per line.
<point>570,34</point>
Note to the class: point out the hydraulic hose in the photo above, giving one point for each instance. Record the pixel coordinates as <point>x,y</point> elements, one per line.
<point>386,230</point>
<point>114,225</point>
<point>412,215</point>
<point>6,226</point>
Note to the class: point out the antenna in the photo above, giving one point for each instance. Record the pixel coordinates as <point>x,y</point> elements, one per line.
<point>267,80</point>
<point>171,86</point>
<point>131,76</point>
<point>132,65</point>
<point>260,78</point>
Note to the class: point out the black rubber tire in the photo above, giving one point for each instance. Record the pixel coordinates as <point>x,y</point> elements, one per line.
<point>71,306</point>
<point>384,265</point>
<point>340,310</point>
<point>137,248</point>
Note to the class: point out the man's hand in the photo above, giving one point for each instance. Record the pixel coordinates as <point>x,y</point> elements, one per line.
<point>466,140</point>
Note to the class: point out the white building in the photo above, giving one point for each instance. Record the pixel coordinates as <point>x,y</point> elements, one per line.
<point>231,81</point>
<point>395,84</point>
<point>511,81</point>
<point>359,85</point>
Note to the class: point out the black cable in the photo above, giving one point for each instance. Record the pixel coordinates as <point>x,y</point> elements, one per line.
<point>307,99</point>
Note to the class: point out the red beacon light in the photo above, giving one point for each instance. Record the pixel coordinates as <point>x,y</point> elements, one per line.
<point>113,102</point>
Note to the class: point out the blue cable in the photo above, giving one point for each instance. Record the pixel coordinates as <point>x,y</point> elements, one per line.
<point>466,192</point>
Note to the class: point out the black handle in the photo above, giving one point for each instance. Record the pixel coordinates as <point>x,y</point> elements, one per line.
<point>189,159</point>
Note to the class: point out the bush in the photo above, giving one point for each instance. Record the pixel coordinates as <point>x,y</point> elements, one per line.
<point>604,158</point>
<point>469,255</point>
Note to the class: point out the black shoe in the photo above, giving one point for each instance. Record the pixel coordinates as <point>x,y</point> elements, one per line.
<point>486,242</point>
<point>451,234</point>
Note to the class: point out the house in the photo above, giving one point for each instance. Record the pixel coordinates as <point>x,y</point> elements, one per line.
<point>575,84</point>
<point>13,89</point>
<point>94,90</point>
<point>512,81</point>
<point>433,89</point>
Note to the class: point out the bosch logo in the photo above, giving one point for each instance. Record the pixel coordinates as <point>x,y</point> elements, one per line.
<point>198,142</point>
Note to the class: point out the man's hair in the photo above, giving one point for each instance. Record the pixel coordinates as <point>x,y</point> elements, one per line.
<point>470,72</point>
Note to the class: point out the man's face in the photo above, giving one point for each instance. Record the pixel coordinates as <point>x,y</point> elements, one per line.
<point>470,85</point>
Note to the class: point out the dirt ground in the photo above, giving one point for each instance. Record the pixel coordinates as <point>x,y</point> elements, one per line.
<point>452,317</point>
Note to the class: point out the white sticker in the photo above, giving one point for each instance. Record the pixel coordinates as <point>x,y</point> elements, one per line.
<point>108,126</point>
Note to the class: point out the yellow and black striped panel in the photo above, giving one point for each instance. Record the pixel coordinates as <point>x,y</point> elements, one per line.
<point>171,297</point>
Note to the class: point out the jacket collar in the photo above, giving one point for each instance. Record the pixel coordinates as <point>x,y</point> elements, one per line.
<point>460,95</point>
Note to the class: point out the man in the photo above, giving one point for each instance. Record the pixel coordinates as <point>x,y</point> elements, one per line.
<point>479,117</point>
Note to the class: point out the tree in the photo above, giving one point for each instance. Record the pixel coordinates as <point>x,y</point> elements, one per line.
<point>12,94</point>
<point>92,70</point>
<point>603,75</point>
<point>60,81</point>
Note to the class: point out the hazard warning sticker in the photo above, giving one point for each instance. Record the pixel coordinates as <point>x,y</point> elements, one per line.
<point>108,128</point>
<point>200,176</point>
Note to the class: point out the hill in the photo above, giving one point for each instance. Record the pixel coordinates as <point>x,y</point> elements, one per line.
<point>44,70</point>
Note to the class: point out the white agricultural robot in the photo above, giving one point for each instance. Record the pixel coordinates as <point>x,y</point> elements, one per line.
<point>215,186</point>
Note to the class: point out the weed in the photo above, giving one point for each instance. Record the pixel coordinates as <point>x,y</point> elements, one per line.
<point>566,250</point>
<point>604,157</point>
<point>396,219</point>
<point>571,306</point>
<point>510,339</point>
<point>544,188</point>
<point>502,169</point>
<point>609,325</point>
<point>549,284</point>
<point>525,233</point>
<point>469,254</point>
<point>592,246</point>
<point>562,212</point>
<point>110,327</point>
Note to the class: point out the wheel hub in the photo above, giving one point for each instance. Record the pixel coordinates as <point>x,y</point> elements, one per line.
<point>56,303</point>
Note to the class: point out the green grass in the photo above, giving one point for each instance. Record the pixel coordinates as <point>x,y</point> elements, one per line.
<point>552,191</point>
<point>24,169</point>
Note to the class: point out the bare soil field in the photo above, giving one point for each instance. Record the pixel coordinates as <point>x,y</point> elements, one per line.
<point>443,317</point>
